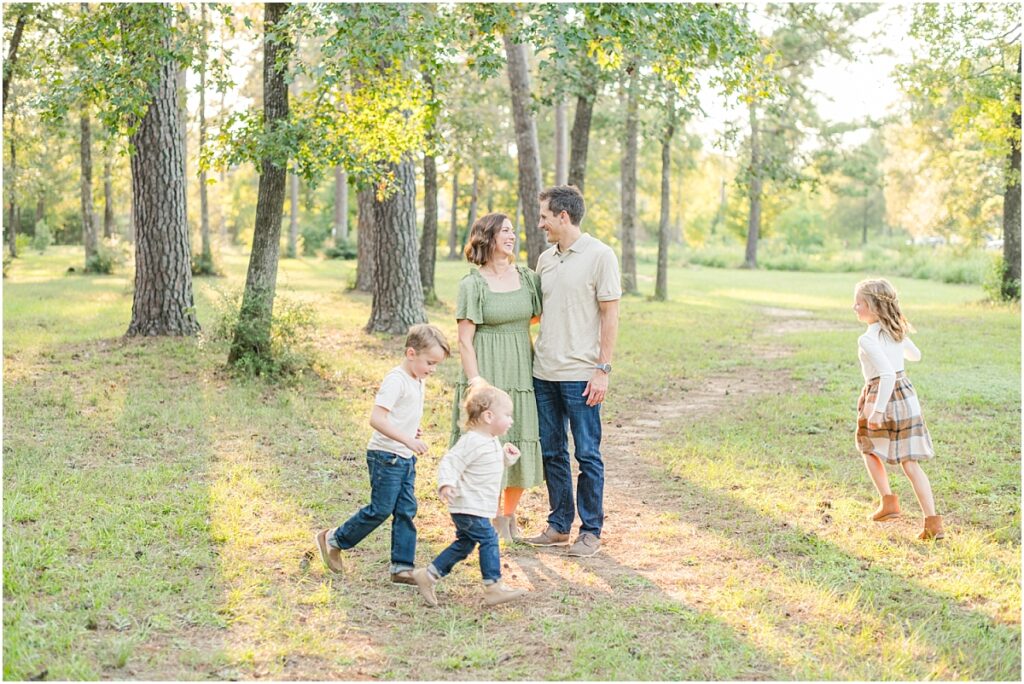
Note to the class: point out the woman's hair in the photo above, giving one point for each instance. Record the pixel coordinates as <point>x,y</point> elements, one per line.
<point>880,296</point>
<point>479,398</point>
<point>481,238</point>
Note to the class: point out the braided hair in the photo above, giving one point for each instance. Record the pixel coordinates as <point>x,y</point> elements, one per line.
<point>880,296</point>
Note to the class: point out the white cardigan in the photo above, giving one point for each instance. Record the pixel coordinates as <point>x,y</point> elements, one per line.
<point>474,467</point>
<point>882,358</point>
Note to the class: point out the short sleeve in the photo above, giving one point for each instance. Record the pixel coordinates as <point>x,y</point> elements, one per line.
<point>532,281</point>
<point>608,283</point>
<point>390,392</point>
<point>470,305</point>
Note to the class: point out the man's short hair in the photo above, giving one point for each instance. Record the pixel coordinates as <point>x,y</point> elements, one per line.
<point>424,336</point>
<point>567,198</point>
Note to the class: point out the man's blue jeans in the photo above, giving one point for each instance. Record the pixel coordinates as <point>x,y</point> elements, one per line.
<point>561,406</point>
<point>471,530</point>
<point>392,494</point>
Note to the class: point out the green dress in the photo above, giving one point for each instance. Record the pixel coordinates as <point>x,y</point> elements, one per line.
<point>504,357</point>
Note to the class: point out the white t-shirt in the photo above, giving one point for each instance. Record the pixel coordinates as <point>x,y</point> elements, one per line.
<point>881,357</point>
<point>402,396</point>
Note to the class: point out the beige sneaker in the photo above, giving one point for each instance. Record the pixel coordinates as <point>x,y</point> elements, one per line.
<point>425,581</point>
<point>403,577</point>
<point>496,593</point>
<point>549,537</point>
<point>330,556</point>
<point>587,544</point>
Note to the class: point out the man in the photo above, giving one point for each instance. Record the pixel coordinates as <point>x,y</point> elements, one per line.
<point>580,285</point>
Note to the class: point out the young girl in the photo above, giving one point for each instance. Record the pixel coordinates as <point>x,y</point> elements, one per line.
<point>468,478</point>
<point>890,428</point>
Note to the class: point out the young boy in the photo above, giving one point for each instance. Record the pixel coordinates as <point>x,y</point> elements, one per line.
<point>391,458</point>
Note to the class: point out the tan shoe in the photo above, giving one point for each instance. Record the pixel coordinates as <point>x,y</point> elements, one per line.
<point>496,593</point>
<point>549,537</point>
<point>888,509</point>
<point>587,544</point>
<point>932,528</point>
<point>501,526</point>
<point>330,556</point>
<point>425,581</point>
<point>403,577</point>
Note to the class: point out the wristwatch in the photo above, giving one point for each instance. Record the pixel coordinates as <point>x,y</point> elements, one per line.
<point>606,367</point>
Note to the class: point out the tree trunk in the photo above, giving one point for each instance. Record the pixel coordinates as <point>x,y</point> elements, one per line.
<point>40,211</point>
<point>661,283</point>
<point>580,139</point>
<point>1011,207</point>
<point>453,231</point>
<point>206,254</point>
<point>252,336</point>
<point>222,223</point>
<point>12,52</point>
<point>473,198</point>
<point>561,145</point>
<point>628,176</point>
<point>108,194</point>
<point>88,214</point>
<point>428,242</point>
<point>527,146</point>
<point>293,216</point>
<point>397,291</point>
<point>12,201</point>
<point>340,229</point>
<point>754,222</point>
<point>162,303</point>
<point>365,233</point>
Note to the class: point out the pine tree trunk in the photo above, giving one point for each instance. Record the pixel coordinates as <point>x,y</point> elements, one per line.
<point>340,228</point>
<point>12,52</point>
<point>162,302</point>
<point>474,196</point>
<point>12,203</point>
<point>628,175</point>
<point>108,195</point>
<point>580,139</point>
<point>206,255</point>
<point>293,216</point>
<point>754,221</point>
<point>561,144</point>
<point>88,213</point>
<point>365,234</point>
<point>453,231</point>
<point>528,148</point>
<point>397,292</point>
<point>252,336</point>
<point>428,242</point>
<point>1011,207</point>
<point>661,282</point>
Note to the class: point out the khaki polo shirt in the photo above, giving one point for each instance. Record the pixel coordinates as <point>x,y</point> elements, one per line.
<point>572,283</point>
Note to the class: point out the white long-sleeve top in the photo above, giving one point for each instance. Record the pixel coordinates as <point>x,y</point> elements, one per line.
<point>882,358</point>
<point>474,467</point>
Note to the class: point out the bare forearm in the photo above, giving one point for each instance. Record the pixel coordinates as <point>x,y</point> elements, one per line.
<point>379,422</point>
<point>609,330</point>
<point>467,354</point>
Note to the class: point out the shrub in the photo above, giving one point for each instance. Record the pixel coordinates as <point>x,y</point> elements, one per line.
<point>204,266</point>
<point>8,262</point>
<point>290,348</point>
<point>994,285</point>
<point>43,237</point>
<point>22,242</point>
<point>341,250</point>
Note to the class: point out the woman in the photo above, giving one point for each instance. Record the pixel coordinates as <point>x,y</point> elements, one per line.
<point>497,302</point>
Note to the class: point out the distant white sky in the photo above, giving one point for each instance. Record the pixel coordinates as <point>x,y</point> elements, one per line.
<point>850,90</point>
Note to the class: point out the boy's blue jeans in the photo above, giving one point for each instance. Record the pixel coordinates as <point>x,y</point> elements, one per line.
<point>561,406</point>
<point>392,494</point>
<point>471,530</point>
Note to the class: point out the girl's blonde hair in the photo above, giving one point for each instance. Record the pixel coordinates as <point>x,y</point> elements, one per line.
<point>480,397</point>
<point>880,296</point>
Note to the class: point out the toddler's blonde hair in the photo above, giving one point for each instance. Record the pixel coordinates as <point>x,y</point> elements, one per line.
<point>480,397</point>
<point>880,296</point>
<point>424,336</point>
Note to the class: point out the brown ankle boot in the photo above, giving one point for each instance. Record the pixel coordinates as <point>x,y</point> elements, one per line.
<point>888,509</point>
<point>932,528</point>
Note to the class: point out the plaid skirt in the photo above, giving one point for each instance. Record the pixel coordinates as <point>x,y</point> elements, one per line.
<point>903,435</point>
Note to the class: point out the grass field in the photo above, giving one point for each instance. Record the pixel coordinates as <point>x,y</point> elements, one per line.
<point>157,509</point>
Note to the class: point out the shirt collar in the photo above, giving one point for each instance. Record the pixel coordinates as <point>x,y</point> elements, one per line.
<point>579,246</point>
